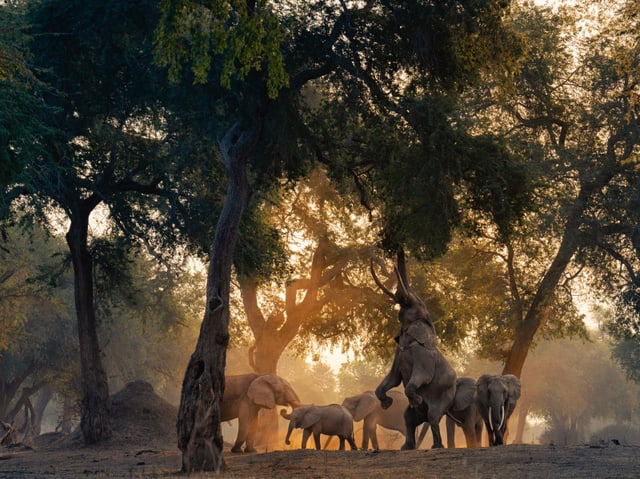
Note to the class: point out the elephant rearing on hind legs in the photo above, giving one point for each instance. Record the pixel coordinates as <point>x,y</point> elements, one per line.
<point>429,380</point>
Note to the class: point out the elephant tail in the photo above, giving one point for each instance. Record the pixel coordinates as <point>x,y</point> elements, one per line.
<point>285,414</point>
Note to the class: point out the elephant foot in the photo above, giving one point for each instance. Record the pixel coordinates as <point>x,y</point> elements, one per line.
<point>250,449</point>
<point>386,402</point>
<point>407,447</point>
<point>236,449</point>
<point>437,446</point>
<point>415,401</point>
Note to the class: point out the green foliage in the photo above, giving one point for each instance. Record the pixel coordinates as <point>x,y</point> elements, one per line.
<point>22,113</point>
<point>37,335</point>
<point>225,39</point>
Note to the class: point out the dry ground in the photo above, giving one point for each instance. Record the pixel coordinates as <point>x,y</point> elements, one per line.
<point>143,446</point>
<point>521,461</point>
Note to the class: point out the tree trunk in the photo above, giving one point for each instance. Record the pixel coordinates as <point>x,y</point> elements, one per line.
<point>46,393</point>
<point>523,410</point>
<point>94,418</point>
<point>198,425</point>
<point>536,315</point>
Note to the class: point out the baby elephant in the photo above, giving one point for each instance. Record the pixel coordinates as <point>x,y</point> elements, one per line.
<point>331,420</point>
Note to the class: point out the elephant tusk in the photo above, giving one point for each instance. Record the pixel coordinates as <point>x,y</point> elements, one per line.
<point>490,421</point>
<point>501,418</point>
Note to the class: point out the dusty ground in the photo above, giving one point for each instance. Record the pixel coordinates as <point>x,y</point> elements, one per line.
<point>143,446</point>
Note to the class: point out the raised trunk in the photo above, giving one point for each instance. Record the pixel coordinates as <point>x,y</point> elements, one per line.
<point>198,425</point>
<point>94,418</point>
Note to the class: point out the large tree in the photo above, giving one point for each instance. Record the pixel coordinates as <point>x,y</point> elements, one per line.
<point>265,53</point>
<point>590,132</point>
<point>324,294</point>
<point>568,111</point>
<point>102,148</point>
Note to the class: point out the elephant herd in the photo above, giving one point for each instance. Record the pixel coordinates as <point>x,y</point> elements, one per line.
<point>431,390</point>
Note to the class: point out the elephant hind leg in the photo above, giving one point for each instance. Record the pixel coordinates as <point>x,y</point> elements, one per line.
<point>352,443</point>
<point>437,437</point>
<point>316,438</point>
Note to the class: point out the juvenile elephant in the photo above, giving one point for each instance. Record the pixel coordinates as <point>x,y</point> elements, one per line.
<point>332,420</point>
<point>245,395</point>
<point>366,407</point>
<point>429,380</point>
<point>465,413</point>
<point>498,396</point>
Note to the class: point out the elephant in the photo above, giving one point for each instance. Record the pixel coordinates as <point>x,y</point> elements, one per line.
<point>497,397</point>
<point>428,378</point>
<point>244,396</point>
<point>465,413</point>
<point>366,406</point>
<point>332,420</point>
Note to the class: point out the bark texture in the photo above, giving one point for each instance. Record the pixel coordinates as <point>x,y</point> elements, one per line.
<point>94,419</point>
<point>198,425</point>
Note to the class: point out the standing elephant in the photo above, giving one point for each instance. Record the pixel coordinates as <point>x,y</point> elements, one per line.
<point>366,407</point>
<point>465,412</point>
<point>245,395</point>
<point>497,396</point>
<point>429,380</point>
<point>332,420</point>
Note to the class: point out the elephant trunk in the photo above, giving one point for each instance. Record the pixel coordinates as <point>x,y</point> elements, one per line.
<point>284,414</point>
<point>286,439</point>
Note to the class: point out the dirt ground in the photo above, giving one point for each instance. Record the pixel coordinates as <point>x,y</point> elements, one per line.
<point>143,446</point>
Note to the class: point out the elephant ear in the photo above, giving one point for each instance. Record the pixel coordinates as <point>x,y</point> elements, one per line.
<point>311,416</point>
<point>513,386</point>
<point>422,332</point>
<point>366,405</point>
<point>465,394</point>
<point>260,391</point>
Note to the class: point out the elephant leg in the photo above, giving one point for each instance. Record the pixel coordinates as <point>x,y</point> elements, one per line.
<point>451,433</point>
<point>247,422</point>
<point>411,391</point>
<point>469,435</point>
<point>374,438</point>
<point>391,380</point>
<point>434,415</point>
<point>478,434</point>
<point>411,420</point>
<point>369,434</point>
<point>505,431</point>
<point>316,438</point>
<point>305,437</point>
<point>490,435</point>
<point>437,437</point>
<point>352,443</point>
<point>341,442</point>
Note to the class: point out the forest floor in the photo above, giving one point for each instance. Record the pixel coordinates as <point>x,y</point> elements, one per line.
<point>144,446</point>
